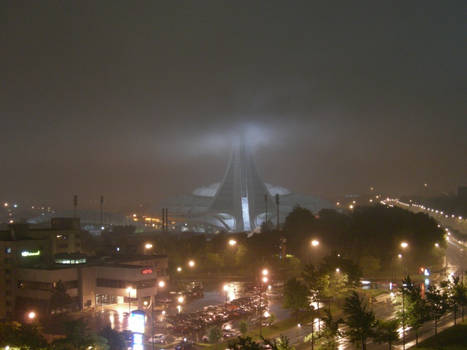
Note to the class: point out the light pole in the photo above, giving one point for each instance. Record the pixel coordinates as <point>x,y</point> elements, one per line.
<point>403,316</point>
<point>129,291</point>
<point>264,279</point>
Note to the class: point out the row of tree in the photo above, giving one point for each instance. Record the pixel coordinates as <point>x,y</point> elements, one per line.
<point>77,336</point>
<point>415,310</point>
<point>370,236</point>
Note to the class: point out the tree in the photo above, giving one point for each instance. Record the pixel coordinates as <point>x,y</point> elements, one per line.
<point>244,343</point>
<point>60,298</point>
<point>281,343</point>
<point>299,221</point>
<point>457,297</point>
<point>296,296</point>
<point>386,332</point>
<point>79,337</point>
<point>215,334</point>
<point>359,319</point>
<point>243,327</point>
<point>330,332</point>
<point>437,302</point>
<point>23,336</point>
<point>413,311</point>
<point>115,339</point>
<point>417,312</point>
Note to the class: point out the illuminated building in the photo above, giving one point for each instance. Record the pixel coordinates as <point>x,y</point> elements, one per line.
<point>35,260</point>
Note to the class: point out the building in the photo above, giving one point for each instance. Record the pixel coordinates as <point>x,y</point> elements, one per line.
<point>39,264</point>
<point>242,201</point>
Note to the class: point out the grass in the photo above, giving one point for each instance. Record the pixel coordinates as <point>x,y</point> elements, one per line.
<point>453,338</point>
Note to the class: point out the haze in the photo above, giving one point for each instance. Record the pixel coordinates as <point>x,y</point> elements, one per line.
<point>139,101</point>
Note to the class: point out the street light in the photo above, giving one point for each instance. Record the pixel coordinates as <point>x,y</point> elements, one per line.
<point>191,263</point>
<point>148,246</point>
<point>232,242</point>
<point>31,315</point>
<point>161,284</point>
<point>130,290</point>
<point>315,243</point>
<point>180,299</point>
<point>179,269</point>
<point>404,245</point>
<point>264,280</point>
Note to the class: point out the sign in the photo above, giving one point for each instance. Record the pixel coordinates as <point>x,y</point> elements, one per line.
<point>137,321</point>
<point>146,271</point>
<point>27,253</point>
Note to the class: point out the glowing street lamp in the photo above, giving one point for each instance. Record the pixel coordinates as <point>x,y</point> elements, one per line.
<point>404,245</point>
<point>338,270</point>
<point>191,263</point>
<point>437,245</point>
<point>161,284</point>
<point>314,243</point>
<point>180,299</point>
<point>264,280</point>
<point>232,242</point>
<point>31,315</point>
<point>179,269</point>
<point>399,256</point>
<point>148,246</point>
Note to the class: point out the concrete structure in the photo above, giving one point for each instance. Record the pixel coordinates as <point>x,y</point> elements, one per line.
<point>131,281</point>
<point>242,201</point>
<point>35,262</point>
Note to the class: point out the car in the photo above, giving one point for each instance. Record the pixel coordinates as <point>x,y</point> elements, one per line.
<point>158,339</point>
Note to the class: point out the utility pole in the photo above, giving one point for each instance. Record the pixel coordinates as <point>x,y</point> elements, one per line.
<point>277,209</point>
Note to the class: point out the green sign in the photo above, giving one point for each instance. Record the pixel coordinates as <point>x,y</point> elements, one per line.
<point>27,253</point>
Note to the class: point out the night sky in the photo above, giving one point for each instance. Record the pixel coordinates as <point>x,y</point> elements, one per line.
<point>139,100</point>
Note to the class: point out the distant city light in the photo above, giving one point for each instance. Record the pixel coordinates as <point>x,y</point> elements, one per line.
<point>191,263</point>
<point>315,243</point>
<point>31,315</point>
<point>161,284</point>
<point>404,245</point>
<point>179,269</point>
